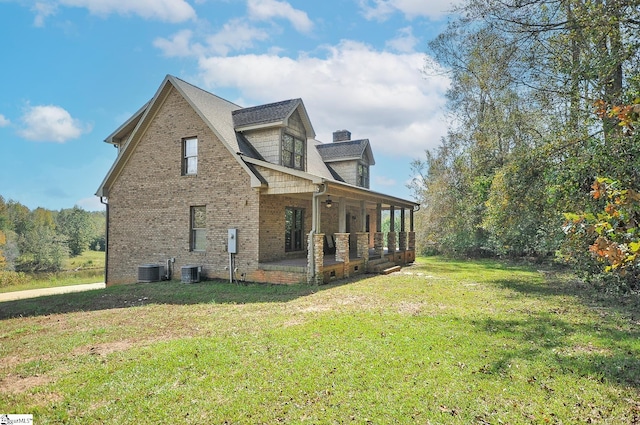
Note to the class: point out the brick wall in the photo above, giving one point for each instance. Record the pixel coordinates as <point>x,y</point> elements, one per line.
<point>149,202</point>
<point>272,217</point>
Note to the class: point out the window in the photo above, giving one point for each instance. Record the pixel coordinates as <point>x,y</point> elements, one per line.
<point>198,228</point>
<point>189,156</point>
<point>292,152</point>
<point>363,175</point>
<point>294,229</point>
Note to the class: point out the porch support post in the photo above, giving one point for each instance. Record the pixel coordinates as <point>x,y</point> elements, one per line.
<point>412,233</point>
<point>342,215</point>
<point>363,217</point>
<point>342,251</point>
<point>411,220</point>
<point>378,243</point>
<point>378,236</point>
<point>391,237</point>
<point>315,259</point>
<point>363,248</point>
<point>402,236</point>
<point>412,241</point>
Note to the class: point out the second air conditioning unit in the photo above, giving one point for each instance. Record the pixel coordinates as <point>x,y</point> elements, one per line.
<point>190,274</point>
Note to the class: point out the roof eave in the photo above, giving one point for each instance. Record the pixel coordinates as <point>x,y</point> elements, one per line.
<point>302,174</point>
<point>127,126</point>
<point>276,124</point>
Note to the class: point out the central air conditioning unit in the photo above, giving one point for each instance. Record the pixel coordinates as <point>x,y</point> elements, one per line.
<point>190,274</point>
<point>150,273</point>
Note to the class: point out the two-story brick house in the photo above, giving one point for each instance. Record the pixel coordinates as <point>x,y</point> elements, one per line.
<point>191,166</point>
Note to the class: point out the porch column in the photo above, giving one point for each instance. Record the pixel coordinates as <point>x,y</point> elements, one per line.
<point>342,213</point>
<point>391,236</point>
<point>412,233</point>
<point>315,259</point>
<point>378,236</point>
<point>342,251</point>
<point>402,236</point>
<point>411,220</point>
<point>363,247</point>
<point>378,243</point>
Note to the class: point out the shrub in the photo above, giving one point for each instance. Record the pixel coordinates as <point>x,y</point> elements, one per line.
<point>10,278</point>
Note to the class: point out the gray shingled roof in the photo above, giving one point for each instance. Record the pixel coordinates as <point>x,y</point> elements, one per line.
<point>215,110</point>
<point>264,114</point>
<point>340,151</point>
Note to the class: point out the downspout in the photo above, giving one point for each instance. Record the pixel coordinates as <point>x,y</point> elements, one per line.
<point>105,202</point>
<point>314,226</point>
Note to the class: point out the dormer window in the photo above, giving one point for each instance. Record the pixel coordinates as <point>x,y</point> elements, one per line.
<point>363,175</point>
<point>292,152</point>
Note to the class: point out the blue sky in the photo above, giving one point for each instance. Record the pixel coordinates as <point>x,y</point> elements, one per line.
<point>74,70</point>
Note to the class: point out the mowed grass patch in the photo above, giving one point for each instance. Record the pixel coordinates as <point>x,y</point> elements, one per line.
<point>440,342</point>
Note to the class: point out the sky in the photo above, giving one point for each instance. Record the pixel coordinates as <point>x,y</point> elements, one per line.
<point>74,70</point>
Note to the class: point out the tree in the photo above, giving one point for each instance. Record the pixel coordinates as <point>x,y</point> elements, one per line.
<point>42,250</point>
<point>3,242</point>
<point>75,224</point>
<point>524,145</point>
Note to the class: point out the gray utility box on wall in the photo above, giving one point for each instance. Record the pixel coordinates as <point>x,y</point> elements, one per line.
<point>190,274</point>
<point>232,241</point>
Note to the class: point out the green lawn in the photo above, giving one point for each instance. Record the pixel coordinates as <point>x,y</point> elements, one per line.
<point>440,342</point>
<point>85,268</point>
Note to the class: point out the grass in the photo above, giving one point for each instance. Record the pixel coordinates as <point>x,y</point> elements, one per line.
<point>85,268</point>
<point>441,342</point>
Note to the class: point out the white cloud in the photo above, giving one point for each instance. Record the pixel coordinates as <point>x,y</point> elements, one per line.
<point>381,9</point>
<point>50,123</point>
<point>235,35</point>
<point>178,45</point>
<point>405,42</point>
<point>162,10</point>
<point>377,95</point>
<point>42,11</point>
<point>267,9</point>
<point>4,121</point>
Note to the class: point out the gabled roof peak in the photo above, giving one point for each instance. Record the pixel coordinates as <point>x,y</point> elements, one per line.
<point>271,114</point>
<point>346,150</point>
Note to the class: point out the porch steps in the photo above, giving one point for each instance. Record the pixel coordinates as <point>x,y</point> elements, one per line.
<point>383,266</point>
<point>391,270</point>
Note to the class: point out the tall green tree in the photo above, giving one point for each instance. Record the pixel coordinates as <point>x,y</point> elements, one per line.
<point>42,250</point>
<point>524,145</point>
<point>76,225</point>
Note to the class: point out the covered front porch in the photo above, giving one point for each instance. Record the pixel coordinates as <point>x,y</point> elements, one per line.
<point>336,232</point>
<point>295,270</point>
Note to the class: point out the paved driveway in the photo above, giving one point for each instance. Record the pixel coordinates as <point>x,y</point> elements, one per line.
<point>33,293</point>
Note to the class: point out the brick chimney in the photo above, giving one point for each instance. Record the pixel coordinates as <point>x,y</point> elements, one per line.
<point>341,136</point>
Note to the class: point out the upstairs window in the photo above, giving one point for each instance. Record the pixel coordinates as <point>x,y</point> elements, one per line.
<point>363,175</point>
<point>189,156</point>
<point>198,238</point>
<point>294,229</point>
<point>292,152</point>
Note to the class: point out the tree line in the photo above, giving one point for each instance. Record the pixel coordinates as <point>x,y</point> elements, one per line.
<point>40,240</point>
<point>543,108</point>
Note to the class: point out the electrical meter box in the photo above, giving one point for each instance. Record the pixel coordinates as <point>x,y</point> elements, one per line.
<point>232,242</point>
